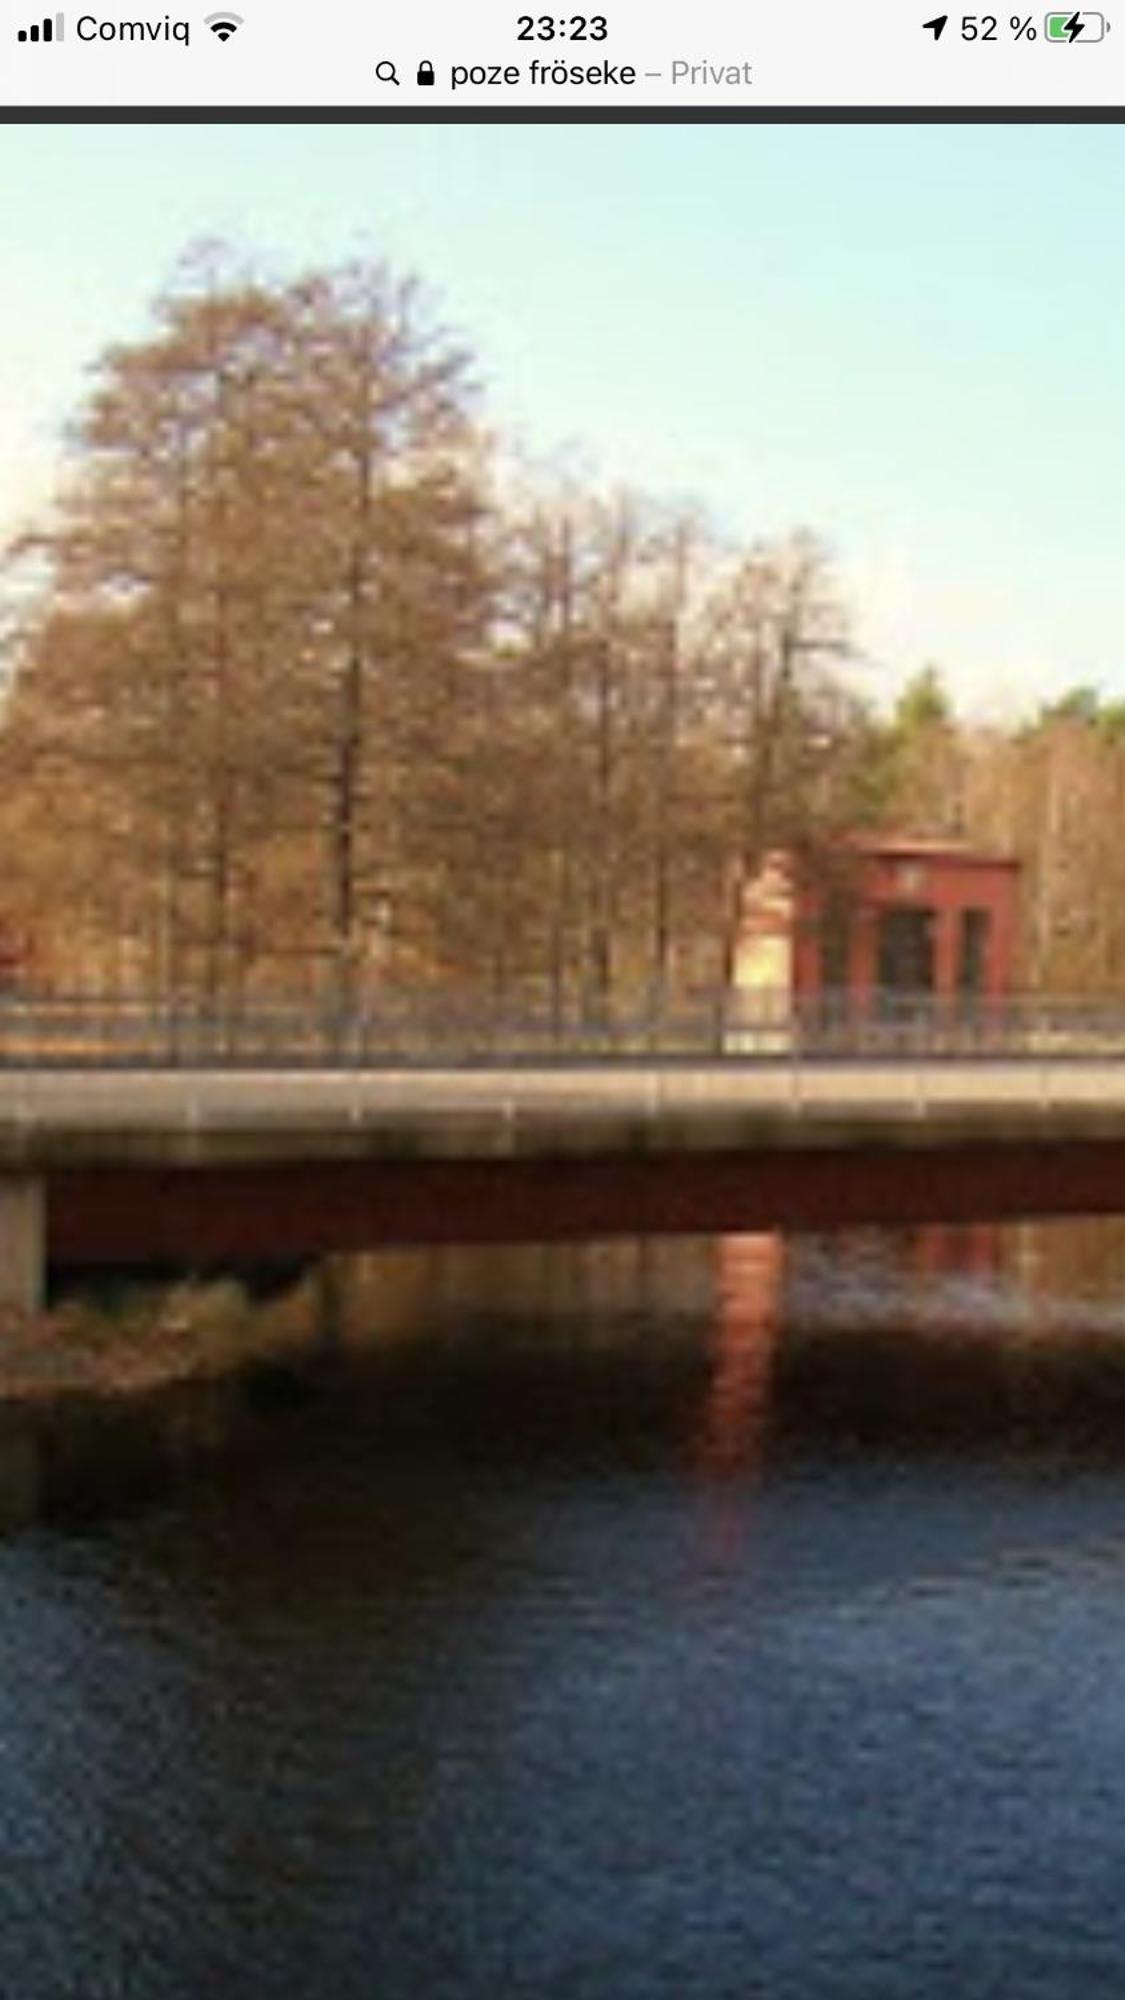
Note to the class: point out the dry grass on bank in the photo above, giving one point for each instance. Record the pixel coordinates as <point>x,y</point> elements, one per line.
<point>184,1332</point>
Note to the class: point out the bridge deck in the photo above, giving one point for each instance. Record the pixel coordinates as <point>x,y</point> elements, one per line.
<point>55,1117</point>
<point>199,1166</point>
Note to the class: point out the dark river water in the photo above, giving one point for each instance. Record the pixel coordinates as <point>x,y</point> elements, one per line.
<point>701,1620</point>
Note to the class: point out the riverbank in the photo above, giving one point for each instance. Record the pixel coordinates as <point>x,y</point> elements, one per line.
<point>105,1404</point>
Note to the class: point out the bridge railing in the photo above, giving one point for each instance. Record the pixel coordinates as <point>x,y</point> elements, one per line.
<point>78,1031</point>
<point>897,1024</point>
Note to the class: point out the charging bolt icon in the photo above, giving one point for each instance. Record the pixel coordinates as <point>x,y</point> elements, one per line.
<point>1074,27</point>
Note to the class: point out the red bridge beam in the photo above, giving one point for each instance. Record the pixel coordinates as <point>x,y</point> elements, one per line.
<point>175,1214</point>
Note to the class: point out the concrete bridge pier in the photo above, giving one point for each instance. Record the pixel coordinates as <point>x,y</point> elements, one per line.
<point>23,1242</point>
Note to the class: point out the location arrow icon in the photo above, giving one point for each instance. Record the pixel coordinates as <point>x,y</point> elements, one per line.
<point>936,25</point>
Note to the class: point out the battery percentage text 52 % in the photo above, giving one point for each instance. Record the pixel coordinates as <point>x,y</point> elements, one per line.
<point>984,27</point>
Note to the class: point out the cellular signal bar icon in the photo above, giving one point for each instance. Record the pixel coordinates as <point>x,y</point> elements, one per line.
<point>48,30</point>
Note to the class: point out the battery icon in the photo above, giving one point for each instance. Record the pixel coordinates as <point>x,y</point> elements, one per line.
<point>1074,27</point>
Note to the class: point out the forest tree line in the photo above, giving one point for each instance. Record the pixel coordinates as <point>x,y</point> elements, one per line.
<point>309,692</point>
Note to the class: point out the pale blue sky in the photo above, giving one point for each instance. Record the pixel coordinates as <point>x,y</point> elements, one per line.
<point>906,338</point>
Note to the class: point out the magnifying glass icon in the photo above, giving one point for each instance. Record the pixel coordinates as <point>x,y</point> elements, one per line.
<point>386,73</point>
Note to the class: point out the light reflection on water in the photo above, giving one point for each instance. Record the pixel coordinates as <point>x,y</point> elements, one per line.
<point>672,1620</point>
<point>749,1281</point>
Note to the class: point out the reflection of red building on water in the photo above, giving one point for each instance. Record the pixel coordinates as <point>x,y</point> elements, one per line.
<point>924,920</point>
<point>749,1276</point>
<point>771,1289</point>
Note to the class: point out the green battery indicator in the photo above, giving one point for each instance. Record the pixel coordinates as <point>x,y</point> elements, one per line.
<point>1074,27</point>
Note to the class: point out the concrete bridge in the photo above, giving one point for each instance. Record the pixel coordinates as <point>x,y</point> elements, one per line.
<point>183,1166</point>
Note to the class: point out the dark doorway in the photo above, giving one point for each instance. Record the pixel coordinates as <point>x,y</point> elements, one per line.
<point>906,949</point>
<point>972,954</point>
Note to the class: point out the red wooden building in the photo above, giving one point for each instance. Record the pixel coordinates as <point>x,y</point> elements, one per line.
<point>905,919</point>
<point>13,958</point>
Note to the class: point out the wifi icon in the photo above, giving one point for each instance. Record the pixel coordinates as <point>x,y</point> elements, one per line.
<point>223,24</point>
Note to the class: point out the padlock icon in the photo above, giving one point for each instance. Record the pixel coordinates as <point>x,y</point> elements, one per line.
<point>425,72</point>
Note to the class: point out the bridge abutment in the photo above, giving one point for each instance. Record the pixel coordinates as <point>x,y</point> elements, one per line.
<point>23,1241</point>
